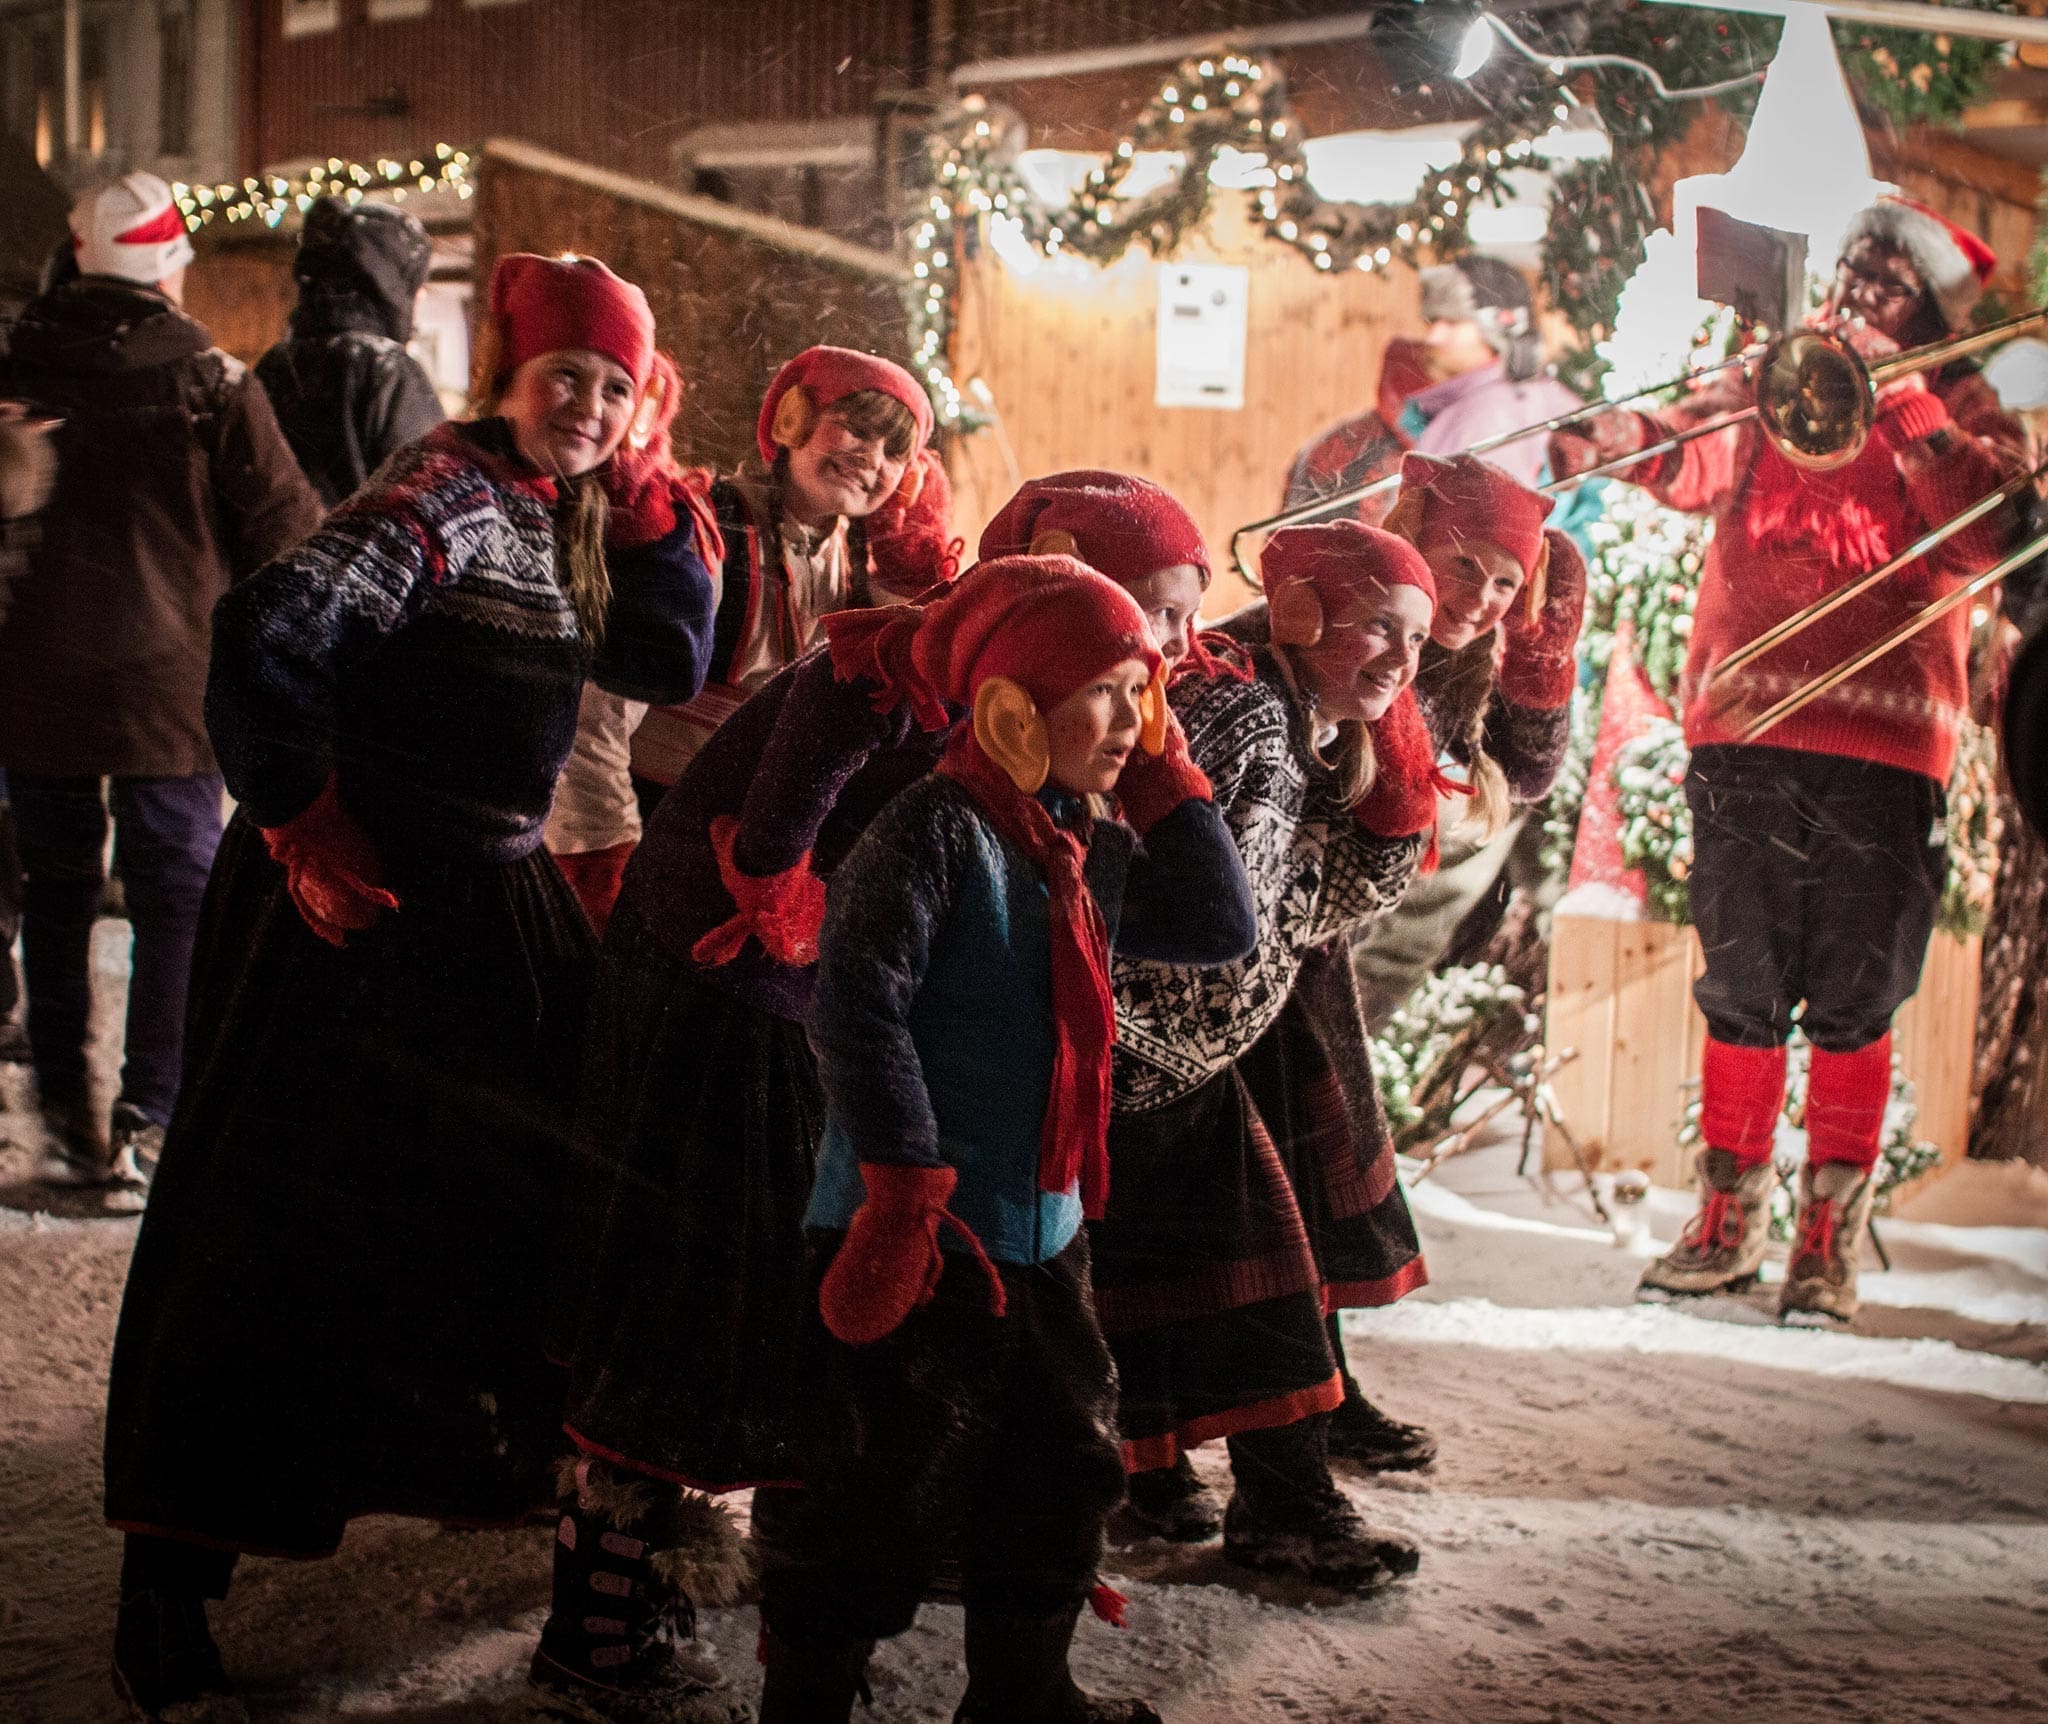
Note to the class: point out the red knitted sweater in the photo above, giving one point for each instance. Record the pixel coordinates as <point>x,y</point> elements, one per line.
<point>1784,537</point>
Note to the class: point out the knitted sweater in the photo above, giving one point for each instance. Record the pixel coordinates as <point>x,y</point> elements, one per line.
<point>932,1018</point>
<point>420,647</point>
<point>1783,538</point>
<point>1314,872</point>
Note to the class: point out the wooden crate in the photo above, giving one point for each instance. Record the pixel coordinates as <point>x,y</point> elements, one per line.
<point>1621,994</point>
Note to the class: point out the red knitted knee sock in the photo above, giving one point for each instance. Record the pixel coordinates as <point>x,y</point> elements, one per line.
<point>1742,1091</point>
<point>1845,1102</point>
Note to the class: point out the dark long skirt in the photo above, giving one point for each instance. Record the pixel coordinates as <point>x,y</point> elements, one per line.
<point>1310,1079</point>
<point>1205,1280</point>
<point>334,1307</point>
<point>703,1115</point>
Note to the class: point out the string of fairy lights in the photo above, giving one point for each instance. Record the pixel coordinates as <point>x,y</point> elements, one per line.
<point>270,198</point>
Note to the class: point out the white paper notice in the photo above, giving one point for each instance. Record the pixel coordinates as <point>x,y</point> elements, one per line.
<point>1201,334</point>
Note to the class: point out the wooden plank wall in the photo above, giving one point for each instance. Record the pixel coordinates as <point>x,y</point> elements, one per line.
<point>1068,356</point>
<point>1621,994</point>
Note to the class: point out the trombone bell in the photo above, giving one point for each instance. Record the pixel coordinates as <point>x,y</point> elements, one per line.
<point>1815,399</point>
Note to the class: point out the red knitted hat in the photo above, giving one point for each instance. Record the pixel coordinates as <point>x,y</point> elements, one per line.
<point>1342,559</point>
<point>552,304</point>
<point>1051,624</point>
<point>1953,262</point>
<point>1464,499</point>
<point>827,374</point>
<point>1126,527</point>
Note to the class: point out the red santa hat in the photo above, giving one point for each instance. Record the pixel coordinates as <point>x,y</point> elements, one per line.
<point>824,375</point>
<point>1125,527</point>
<point>554,304</point>
<point>1953,262</point>
<point>1463,499</point>
<point>131,230</point>
<point>1050,624</point>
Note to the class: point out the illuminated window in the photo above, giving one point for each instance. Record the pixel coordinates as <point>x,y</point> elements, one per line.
<point>309,17</point>
<point>385,11</point>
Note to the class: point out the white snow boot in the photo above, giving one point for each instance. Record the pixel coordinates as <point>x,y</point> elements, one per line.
<point>1834,1208</point>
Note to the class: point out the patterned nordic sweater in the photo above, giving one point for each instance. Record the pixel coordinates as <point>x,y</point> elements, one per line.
<point>1314,872</point>
<point>420,647</point>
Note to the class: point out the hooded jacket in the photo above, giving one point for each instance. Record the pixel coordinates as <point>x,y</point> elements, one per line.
<point>347,393</point>
<point>172,481</point>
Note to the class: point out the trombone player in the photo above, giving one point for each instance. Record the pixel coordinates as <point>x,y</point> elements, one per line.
<point>1819,846</point>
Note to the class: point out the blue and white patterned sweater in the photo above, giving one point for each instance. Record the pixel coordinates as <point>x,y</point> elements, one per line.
<point>421,646</point>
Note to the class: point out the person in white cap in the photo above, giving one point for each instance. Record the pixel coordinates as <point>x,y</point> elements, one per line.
<point>171,481</point>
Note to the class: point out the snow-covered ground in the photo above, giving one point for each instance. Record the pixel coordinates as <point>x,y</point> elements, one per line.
<point>1640,1513</point>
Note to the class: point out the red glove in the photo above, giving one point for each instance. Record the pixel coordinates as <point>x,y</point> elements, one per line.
<point>1540,666</point>
<point>911,543</point>
<point>891,1261</point>
<point>330,868</point>
<point>1597,440</point>
<point>1407,784</point>
<point>640,479</point>
<point>783,911</point>
<point>1152,786</point>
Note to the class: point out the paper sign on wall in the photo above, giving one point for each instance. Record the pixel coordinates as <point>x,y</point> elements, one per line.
<point>1202,308</point>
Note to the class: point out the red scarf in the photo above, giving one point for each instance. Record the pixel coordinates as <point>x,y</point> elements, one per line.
<point>1075,1140</point>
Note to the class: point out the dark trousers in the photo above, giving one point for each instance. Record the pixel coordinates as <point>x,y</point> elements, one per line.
<point>991,1436</point>
<point>165,834</point>
<point>1816,879</point>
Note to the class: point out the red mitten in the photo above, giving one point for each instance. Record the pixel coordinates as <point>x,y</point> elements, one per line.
<point>910,537</point>
<point>1908,410</point>
<point>1597,440</point>
<point>1407,783</point>
<point>640,479</point>
<point>783,911</point>
<point>1152,786</point>
<point>330,868</point>
<point>891,1261</point>
<point>1540,665</point>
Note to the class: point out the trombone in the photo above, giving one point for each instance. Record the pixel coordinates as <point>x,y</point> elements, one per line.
<point>1815,397</point>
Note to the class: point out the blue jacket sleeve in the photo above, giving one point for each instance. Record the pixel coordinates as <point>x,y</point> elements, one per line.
<point>1186,898</point>
<point>657,635</point>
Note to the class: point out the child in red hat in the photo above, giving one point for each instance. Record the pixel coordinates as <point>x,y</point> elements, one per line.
<point>333,1308</point>
<point>842,439</point>
<point>960,1394</point>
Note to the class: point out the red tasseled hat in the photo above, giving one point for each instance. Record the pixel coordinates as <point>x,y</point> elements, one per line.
<point>826,375</point>
<point>1454,502</point>
<point>1341,559</point>
<point>1126,527</point>
<point>1953,262</point>
<point>1049,623</point>
<point>551,304</point>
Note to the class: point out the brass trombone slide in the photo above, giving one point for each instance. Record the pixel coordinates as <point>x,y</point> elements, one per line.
<point>1804,696</point>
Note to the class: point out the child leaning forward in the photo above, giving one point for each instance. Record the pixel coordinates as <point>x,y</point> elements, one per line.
<point>961,1395</point>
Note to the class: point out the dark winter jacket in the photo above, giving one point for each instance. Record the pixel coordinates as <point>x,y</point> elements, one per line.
<point>421,646</point>
<point>347,393</point>
<point>933,1016</point>
<point>172,481</point>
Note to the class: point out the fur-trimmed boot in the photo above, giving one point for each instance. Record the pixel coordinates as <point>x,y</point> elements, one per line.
<point>1834,1208</point>
<point>1722,1247</point>
<point>814,1679</point>
<point>167,1669</point>
<point>1287,1515</point>
<point>1017,1674</point>
<point>632,1557</point>
<point>1170,1503</point>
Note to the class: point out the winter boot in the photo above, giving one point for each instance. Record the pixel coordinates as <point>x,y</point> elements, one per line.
<point>619,1646</point>
<point>167,1669</point>
<point>1834,1208</point>
<point>136,1141</point>
<point>1017,1674</point>
<point>1363,1435</point>
<point>76,1153</point>
<point>813,1680</point>
<point>1287,1515</point>
<point>1722,1247</point>
<point>1170,1503</point>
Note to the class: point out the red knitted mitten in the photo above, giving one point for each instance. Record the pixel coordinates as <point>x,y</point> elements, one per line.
<point>783,911</point>
<point>891,1261</point>
<point>1541,663</point>
<point>1596,440</point>
<point>1152,786</point>
<point>1407,784</point>
<point>911,543</point>
<point>639,480</point>
<point>330,868</point>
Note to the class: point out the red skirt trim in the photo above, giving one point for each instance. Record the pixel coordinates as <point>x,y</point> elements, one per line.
<point>1144,1454</point>
<point>1363,1295</point>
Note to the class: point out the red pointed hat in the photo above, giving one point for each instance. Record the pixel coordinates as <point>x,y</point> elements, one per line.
<point>552,304</point>
<point>828,374</point>
<point>1124,526</point>
<point>1050,623</point>
<point>1953,262</point>
<point>1456,501</point>
<point>1342,559</point>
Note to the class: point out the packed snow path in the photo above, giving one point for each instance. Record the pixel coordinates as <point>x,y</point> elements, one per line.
<point>1640,1513</point>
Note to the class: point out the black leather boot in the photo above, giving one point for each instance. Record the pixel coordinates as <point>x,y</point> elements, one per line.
<point>1017,1674</point>
<point>814,1679</point>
